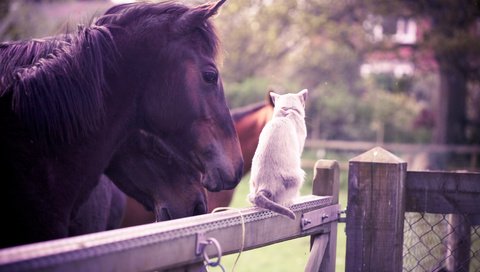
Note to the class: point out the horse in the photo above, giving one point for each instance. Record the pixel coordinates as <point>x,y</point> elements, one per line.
<point>144,160</point>
<point>153,165</point>
<point>66,112</point>
<point>104,209</point>
<point>249,122</point>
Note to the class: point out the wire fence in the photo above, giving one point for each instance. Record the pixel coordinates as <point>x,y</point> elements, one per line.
<point>440,242</point>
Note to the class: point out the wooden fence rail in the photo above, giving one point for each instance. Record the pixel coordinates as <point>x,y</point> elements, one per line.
<point>394,147</point>
<point>380,191</point>
<point>177,243</point>
<point>410,150</point>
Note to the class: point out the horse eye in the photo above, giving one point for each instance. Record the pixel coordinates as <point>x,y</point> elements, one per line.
<point>210,77</point>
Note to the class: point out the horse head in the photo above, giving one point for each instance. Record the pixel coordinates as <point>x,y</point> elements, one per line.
<point>159,178</point>
<point>180,93</point>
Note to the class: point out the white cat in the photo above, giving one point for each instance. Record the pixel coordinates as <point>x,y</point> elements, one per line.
<point>276,174</point>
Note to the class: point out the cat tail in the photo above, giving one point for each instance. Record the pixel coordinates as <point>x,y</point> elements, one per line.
<point>262,200</point>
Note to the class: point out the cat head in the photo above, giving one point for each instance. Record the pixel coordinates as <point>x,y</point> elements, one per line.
<point>285,104</point>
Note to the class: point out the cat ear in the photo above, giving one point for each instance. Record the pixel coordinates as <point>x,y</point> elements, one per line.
<point>274,96</point>
<point>303,94</point>
<point>268,98</point>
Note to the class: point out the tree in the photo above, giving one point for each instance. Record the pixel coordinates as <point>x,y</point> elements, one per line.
<point>257,35</point>
<point>452,38</point>
<point>4,10</point>
<point>454,43</point>
<point>26,19</point>
<point>318,45</point>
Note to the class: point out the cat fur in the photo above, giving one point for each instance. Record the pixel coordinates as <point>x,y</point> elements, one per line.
<point>276,173</point>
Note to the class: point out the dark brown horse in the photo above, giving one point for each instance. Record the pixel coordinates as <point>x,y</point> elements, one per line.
<point>146,161</point>
<point>103,210</point>
<point>66,112</point>
<point>160,173</point>
<point>249,122</point>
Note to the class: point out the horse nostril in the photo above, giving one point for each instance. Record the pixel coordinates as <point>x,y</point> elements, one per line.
<point>162,214</point>
<point>239,174</point>
<point>199,209</point>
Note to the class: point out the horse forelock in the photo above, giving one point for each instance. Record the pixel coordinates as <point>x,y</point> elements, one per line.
<point>58,93</point>
<point>209,34</point>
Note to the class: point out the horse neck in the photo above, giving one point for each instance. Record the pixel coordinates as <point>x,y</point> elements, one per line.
<point>56,106</point>
<point>60,97</point>
<point>249,128</point>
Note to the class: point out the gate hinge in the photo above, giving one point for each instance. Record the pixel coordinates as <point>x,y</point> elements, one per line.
<point>321,216</point>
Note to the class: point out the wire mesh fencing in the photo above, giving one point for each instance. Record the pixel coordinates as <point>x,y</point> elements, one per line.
<point>440,242</point>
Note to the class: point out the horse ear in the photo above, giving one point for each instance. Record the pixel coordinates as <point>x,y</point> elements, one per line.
<point>198,15</point>
<point>273,96</point>
<point>214,9</point>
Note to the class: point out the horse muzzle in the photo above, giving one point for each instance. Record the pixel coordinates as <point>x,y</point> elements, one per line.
<point>169,211</point>
<point>218,179</point>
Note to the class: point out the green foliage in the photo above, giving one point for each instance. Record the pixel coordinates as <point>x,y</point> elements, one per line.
<point>376,115</point>
<point>255,89</point>
<point>320,45</point>
<point>255,35</point>
<point>317,45</point>
<point>392,84</point>
<point>248,91</point>
<point>392,116</point>
<point>27,19</point>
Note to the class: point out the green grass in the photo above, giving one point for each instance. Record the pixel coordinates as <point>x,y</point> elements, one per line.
<point>289,256</point>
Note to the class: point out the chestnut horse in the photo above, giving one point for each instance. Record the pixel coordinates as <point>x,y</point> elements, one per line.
<point>249,122</point>
<point>69,104</point>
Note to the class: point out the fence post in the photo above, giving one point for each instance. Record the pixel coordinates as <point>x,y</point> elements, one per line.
<point>326,181</point>
<point>375,211</point>
<point>458,243</point>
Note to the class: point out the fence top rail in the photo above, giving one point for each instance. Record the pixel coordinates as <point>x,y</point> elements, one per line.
<point>443,192</point>
<point>158,245</point>
<point>396,147</point>
<point>446,180</point>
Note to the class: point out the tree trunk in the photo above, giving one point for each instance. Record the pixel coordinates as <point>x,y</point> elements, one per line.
<point>450,121</point>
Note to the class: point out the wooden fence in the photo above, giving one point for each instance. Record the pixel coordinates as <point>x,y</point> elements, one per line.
<point>413,149</point>
<point>179,245</point>
<point>381,190</point>
<point>394,147</point>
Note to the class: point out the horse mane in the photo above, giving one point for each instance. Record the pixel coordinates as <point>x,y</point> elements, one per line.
<point>56,85</point>
<point>154,14</point>
<point>239,113</point>
<point>14,55</point>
